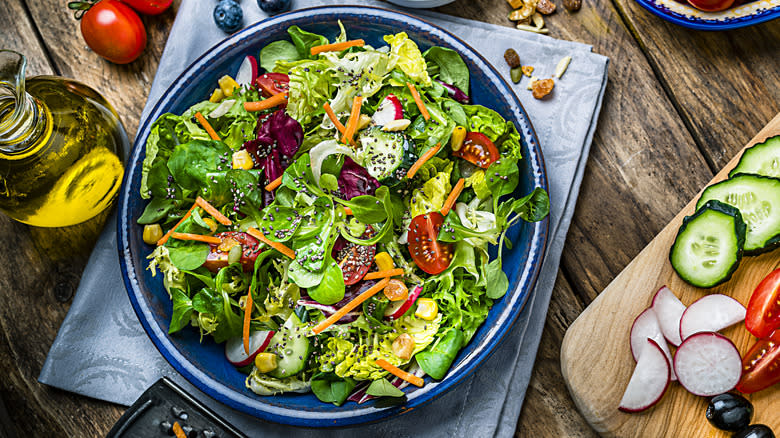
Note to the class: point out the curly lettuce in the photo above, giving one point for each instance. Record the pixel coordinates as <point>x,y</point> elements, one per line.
<point>410,59</point>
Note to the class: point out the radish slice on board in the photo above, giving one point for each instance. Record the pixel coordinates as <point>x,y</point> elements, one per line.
<point>708,364</point>
<point>390,109</point>
<point>650,379</point>
<point>711,313</point>
<point>646,327</point>
<point>668,309</point>
<point>247,71</point>
<point>234,347</point>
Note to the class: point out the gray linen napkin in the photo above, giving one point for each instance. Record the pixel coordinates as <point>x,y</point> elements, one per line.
<point>103,352</point>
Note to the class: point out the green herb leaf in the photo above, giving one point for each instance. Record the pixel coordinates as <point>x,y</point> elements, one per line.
<point>182,309</point>
<point>281,50</point>
<point>188,257</point>
<point>330,289</point>
<point>450,66</point>
<point>383,388</point>
<point>330,388</point>
<point>497,281</point>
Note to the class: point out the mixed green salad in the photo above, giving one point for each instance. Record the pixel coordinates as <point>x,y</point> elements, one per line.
<point>329,211</point>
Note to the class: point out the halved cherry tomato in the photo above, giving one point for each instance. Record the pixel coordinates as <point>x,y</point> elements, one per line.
<point>477,149</point>
<point>428,253</point>
<point>353,259</point>
<point>761,365</point>
<point>218,257</point>
<point>763,310</point>
<point>114,31</point>
<point>272,83</point>
<point>149,7</point>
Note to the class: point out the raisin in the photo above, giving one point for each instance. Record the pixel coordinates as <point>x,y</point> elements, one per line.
<point>545,7</point>
<point>572,5</point>
<point>542,88</point>
<point>512,58</point>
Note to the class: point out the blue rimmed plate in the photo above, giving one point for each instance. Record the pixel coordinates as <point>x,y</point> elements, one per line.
<point>204,364</point>
<point>747,14</point>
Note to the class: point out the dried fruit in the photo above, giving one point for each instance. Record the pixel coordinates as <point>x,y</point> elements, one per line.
<point>516,74</point>
<point>542,88</point>
<point>515,3</point>
<point>528,70</point>
<point>533,29</point>
<point>563,64</point>
<point>538,20</point>
<point>512,58</point>
<point>545,7</point>
<point>529,6</point>
<point>572,5</point>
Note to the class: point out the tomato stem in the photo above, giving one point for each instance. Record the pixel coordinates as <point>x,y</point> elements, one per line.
<point>79,8</point>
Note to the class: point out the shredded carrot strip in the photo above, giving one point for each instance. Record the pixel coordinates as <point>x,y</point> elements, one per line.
<point>394,370</point>
<point>384,274</point>
<point>348,211</point>
<point>420,161</point>
<point>418,101</point>
<point>333,118</point>
<point>354,118</point>
<point>207,126</point>
<point>453,197</point>
<point>196,237</point>
<point>282,248</point>
<point>247,318</point>
<point>221,218</point>
<point>350,305</point>
<point>178,431</point>
<point>337,47</point>
<point>167,235</point>
<point>271,186</point>
<point>275,100</point>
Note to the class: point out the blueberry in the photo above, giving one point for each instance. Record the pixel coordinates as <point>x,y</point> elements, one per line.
<point>228,15</point>
<point>274,6</point>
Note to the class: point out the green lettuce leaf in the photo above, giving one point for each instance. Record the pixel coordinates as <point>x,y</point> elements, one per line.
<point>281,50</point>
<point>304,41</point>
<point>449,66</point>
<point>410,59</point>
<point>311,85</point>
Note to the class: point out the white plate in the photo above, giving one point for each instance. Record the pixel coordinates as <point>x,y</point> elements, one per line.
<point>420,3</point>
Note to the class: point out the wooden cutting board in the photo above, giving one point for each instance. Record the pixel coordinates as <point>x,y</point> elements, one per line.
<point>596,358</point>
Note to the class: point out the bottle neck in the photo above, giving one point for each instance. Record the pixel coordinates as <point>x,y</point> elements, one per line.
<point>22,119</point>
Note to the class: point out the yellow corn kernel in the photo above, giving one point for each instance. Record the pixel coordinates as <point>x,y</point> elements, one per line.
<point>403,346</point>
<point>152,233</point>
<point>427,309</point>
<point>458,135</point>
<point>364,120</point>
<point>211,223</point>
<point>383,261</point>
<point>242,160</point>
<point>216,96</point>
<point>227,84</point>
<point>265,362</point>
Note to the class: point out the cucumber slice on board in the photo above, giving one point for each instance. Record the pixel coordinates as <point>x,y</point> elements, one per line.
<point>708,246</point>
<point>761,159</point>
<point>758,199</point>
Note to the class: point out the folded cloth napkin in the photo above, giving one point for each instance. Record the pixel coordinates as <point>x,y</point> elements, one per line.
<point>102,351</point>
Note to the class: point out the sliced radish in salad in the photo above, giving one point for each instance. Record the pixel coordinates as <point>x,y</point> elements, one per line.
<point>711,313</point>
<point>650,379</point>
<point>668,309</point>
<point>396,309</point>
<point>646,327</point>
<point>389,109</point>
<point>258,342</point>
<point>247,71</point>
<point>708,364</point>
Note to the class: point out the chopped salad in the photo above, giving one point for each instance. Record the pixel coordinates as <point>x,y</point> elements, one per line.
<point>328,219</point>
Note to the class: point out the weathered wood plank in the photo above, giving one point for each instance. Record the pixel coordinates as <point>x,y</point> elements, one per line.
<point>19,34</point>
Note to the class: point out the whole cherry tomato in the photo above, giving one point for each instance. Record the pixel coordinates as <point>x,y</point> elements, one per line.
<point>113,30</point>
<point>763,309</point>
<point>711,5</point>
<point>149,7</point>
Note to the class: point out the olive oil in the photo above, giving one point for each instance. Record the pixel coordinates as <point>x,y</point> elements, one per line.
<point>60,151</point>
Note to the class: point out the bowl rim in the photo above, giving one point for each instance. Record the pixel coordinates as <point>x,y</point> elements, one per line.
<point>698,23</point>
<point>227,396</point>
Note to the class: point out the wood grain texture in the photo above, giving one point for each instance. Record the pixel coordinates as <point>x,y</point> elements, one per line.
<point>596,359</point>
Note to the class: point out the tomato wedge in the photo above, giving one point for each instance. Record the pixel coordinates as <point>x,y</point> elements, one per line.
<point>478,150</point>
<point>272,83</point>
<point>761,365</point>
<point>218,256</point>
<point>763,310</point>
<point>353,259</point>
<point>428,253</point>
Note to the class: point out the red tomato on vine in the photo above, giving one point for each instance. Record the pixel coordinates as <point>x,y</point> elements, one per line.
<point>111,29</point>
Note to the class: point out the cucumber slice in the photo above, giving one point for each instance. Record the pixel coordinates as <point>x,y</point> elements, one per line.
<point>291,346</point>
<point>761,159</point>
<point>387,155</point>
<point>758,199</point>
<point>708,246</point>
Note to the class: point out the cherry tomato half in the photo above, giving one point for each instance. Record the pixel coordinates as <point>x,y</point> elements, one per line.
<point>763,310</point>
<point>428,253</point>
<point>218,257</point>
<point>272,83</point>
<point>711,5</point>
<point>149,7</point>
<point>114,31</point>
<point>761,365</point>
<point>477,149</point>
<point>353,259</point>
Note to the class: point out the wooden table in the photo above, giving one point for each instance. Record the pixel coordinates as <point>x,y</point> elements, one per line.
<point>678,105</point>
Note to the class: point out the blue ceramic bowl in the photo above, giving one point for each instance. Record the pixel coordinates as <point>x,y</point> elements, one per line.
<point>204,364</point>
<point>685,15</point>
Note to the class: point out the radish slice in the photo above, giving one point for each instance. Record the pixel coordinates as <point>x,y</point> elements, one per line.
<point>646,327</point>
<point>247,71</point>
<point>396,309</point>
<point>708,364</point>
<point>258,342</point>
<point>390,109</point>
<point>712,313</point>
<point>668,309</point>
<point>650,379</point>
